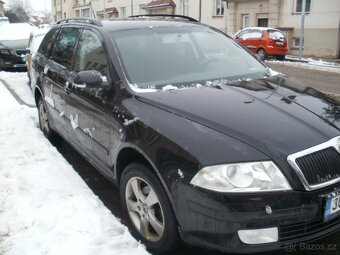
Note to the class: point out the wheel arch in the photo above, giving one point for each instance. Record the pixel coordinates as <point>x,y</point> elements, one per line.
<point>129,154</point>
<point>37,94</point>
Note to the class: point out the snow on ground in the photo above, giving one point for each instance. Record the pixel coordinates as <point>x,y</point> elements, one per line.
<point>18,83</point>
<point>45,207</point>
<point>307,65</point>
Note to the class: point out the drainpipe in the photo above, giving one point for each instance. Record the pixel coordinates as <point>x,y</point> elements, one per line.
<point>200,11</point>
<point>61,8</point>
<point>302,30</point>
<point>131,7</point>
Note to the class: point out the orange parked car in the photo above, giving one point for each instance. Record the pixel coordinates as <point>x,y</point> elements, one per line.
<point>263,41</point>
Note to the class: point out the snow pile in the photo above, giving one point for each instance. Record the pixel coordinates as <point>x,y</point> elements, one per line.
<point>45,207</point>
<point>313,65</point>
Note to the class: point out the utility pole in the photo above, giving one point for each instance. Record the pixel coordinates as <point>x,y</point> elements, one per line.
<point>302,29</point>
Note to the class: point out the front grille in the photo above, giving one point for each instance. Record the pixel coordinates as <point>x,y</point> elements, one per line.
<point>299,230</point>
<point>20,52</point>
<point>320,166</point>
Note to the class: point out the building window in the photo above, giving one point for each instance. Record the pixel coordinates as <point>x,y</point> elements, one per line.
<point>245,20</point>
<point>296,42</point>
<point>64,15</point>
<point>77,13</point>
<point>85,12</point>
<point>185,6</point>
<point>123,10</point>
<point>262,22</point>
<point>54,2</point>
<point>219,8</point>
<point>142,11</point>
<point>298,6</point>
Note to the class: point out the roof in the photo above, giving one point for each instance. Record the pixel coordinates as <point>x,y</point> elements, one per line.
<point>125,24</point>
<point>108,10</point>
<point>160,3</point>
<point>260,28</point>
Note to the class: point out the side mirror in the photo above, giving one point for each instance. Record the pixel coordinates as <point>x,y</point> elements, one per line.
<point>90,78</point>
<point>28,51</point>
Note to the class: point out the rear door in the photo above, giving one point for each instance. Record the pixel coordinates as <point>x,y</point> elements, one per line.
<point>57,74</point>
<point>253,39</point>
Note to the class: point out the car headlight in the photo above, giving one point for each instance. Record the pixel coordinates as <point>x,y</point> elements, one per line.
<point>241,177</point>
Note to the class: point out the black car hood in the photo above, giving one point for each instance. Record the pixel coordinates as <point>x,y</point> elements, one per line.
<point>275,115</point>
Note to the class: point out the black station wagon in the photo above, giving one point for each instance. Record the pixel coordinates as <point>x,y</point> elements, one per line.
<point>206,144</point>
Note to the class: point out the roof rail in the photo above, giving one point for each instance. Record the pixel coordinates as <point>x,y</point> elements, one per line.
<point>164,15</point>
<point>91,21</point>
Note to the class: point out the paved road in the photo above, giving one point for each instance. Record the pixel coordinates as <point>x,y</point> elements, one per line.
<point>327,82</point>
<point>105,190</point>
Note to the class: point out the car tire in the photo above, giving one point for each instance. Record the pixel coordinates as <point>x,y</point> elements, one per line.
<point>280,57</point>
<point>44,124</point>
<point>262,54</point>
<point>148,209</point>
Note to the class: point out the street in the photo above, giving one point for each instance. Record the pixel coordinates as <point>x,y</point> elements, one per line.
<point>328,82</point>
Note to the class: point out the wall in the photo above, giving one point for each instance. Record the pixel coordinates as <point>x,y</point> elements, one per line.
<point>322,27</point>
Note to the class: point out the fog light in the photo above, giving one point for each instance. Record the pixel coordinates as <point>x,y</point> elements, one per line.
<point>259,236</point>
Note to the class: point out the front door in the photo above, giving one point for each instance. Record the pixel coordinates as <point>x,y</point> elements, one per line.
<point>86,106</point>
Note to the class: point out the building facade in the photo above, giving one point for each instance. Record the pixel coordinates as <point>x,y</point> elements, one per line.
<point>211,12</point>
<point>322,20</point>
<point>2,9</point>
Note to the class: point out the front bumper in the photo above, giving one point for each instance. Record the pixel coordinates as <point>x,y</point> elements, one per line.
<point>212,220</point>
<point>12,62</point>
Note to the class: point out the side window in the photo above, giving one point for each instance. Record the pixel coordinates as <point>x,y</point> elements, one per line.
<point>90,54</point>
<point>255,33</point>
<point>244,34</point>
<point>47,43</point>
<point>64,48</point>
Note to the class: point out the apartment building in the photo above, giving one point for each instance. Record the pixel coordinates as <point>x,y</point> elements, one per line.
<point>2,9</point>
<point>322,22</point>
<point>211,12</point>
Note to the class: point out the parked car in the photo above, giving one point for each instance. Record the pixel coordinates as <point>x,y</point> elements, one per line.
<point>13,45</point>
<point>263,41</point>
<point>33,44</point>
<point>205,143</point>
<point>4,20</point>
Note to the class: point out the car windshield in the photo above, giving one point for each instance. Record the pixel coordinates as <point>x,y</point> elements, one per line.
<point>158,57</point>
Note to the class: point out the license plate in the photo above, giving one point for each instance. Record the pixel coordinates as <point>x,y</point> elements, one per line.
<point>332,207</point>
<point>279,43</point>
<point>20,65</point>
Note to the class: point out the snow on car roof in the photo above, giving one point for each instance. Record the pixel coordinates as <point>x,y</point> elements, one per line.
<point>16,31</point>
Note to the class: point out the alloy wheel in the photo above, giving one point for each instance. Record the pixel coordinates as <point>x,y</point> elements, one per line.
<point>145,209</point>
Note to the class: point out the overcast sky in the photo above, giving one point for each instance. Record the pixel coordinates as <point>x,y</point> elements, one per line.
<point>39,5</point>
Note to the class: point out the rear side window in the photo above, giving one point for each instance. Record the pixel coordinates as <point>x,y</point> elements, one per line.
<point>275,34</point>
<point>64,47</point>
<point>47,43</point>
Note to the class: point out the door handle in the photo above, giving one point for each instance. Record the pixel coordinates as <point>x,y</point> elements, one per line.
<point>67,87</point>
